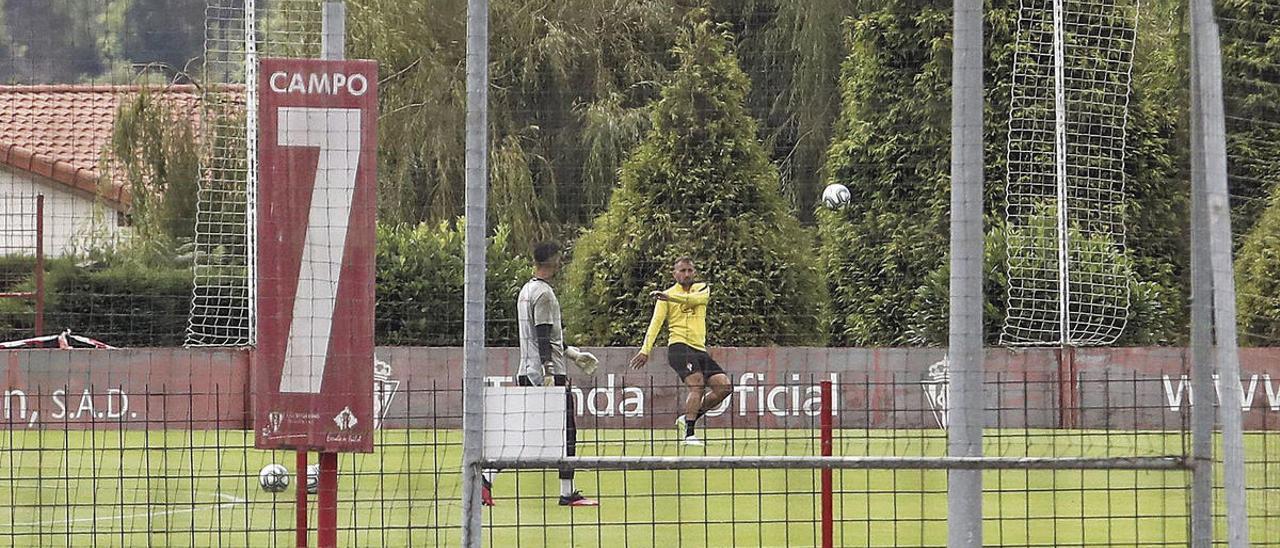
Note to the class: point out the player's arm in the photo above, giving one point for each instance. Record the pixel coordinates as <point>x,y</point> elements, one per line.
<point>700,296</point>
<point>542,317</point>
<point>651,336</point>
<point>542,332</point>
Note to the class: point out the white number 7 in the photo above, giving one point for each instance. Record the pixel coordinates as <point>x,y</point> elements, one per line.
<point>336,132</point>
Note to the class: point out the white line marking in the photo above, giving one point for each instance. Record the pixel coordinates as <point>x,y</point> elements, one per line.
<point>232,501</point>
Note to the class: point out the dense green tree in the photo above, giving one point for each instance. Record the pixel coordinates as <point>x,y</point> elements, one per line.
<point>60,42</point>
<point>891,148</point>
<point>1157,179</point>
<point>154,150</point>
<point>1258,279</point>
<point>791,50</point>
<point>701,185</point>
<point>570,82</point>
<point>165,32</point>
<point>1251,90</point>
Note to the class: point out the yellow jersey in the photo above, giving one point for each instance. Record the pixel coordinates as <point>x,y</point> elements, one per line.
<point>685,313</point>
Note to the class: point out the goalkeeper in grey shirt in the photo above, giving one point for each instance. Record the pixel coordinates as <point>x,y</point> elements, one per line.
<point>542,357</point>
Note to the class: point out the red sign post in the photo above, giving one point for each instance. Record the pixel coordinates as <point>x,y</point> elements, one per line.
<point>312,376</point>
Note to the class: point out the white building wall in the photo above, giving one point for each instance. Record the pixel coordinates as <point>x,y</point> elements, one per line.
<point>72,220</point>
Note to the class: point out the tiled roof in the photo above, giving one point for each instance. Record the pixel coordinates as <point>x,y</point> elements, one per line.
<point>61,131</point>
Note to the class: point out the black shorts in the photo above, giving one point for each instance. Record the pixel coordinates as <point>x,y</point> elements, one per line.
<point>687,361</point>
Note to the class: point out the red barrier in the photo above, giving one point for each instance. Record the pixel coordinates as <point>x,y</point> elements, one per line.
<point>179,388</point>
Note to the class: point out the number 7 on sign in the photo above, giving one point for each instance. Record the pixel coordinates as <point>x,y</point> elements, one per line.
<point>336,132</point>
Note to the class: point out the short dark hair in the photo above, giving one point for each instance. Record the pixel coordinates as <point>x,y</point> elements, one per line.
<point>545,251</point>
<point>683,259</point>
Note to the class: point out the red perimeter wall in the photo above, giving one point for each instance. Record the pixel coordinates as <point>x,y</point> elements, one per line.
<point>1121,388</point>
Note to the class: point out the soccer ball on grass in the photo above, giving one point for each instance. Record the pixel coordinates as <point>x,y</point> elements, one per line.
<point>313,478</point>
<point>273,478</point>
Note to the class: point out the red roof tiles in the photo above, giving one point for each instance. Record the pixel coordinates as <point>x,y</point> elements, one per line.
<point>61,131</point>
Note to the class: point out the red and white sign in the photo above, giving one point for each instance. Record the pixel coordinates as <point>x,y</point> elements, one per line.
<point>312,377</point>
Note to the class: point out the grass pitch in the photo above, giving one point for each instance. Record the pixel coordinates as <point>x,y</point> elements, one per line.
<point>177,488</point>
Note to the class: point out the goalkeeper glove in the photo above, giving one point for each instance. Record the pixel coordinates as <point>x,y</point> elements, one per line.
<point>585,361</point>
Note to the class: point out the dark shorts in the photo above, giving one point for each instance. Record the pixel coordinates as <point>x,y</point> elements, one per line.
<point>687,361</point>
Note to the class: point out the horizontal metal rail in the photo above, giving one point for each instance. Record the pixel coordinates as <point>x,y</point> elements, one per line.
<point>865,463</point>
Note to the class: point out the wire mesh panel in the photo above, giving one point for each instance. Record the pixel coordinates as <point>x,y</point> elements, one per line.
<point>1068,281</point>
<point>155,446</point>
<point>236,34</point>
<point>156,449</point>
<point>21,236</point>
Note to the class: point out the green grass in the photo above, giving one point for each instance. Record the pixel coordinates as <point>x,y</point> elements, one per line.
<point>200,489</point>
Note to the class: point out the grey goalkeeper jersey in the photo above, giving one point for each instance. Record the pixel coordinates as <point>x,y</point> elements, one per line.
<point>537,305</point>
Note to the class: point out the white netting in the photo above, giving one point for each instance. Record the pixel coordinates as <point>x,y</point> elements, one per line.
<point>1068,272</point>
<point>221,305</point>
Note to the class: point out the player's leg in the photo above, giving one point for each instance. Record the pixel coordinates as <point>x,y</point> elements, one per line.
<point>715,388</point>
<point>693,383</point>
<point>693,400</point>
<point>683,361</point>
<point>721,387</point>
<point>568,495</point>
<point>717,381</point>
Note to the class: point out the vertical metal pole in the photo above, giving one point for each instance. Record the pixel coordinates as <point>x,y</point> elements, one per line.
<point>1208,81</point>
<point>473,350</point>
<point>828,505</point>
<point>300,504</point>
<point>251,161</point>
<point>333,35</point>
<point>1202,410</point>
<point>39,273</point>
<point>333,32</point>
<point>1060,165</point>
<point>965,416</point>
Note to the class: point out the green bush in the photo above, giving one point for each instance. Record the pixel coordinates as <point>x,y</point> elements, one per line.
<point>15,270</point>
<point>1154,312</point>
<point>122,303</point>
<point>17,316</point>
<point>700,184</point>
<point>420,285</point>
<point>1258,279</point>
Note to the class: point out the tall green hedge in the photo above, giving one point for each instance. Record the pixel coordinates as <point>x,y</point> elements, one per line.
<point>419,285</point>
<point>1258,279</point>
<point>128,297</point>
<point>700,184</point>
<point>121,302</point>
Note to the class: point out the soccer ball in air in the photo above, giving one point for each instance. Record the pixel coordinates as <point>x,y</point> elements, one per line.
<point>836,196</point>
<point>313,478</point>
<point>273,478</point>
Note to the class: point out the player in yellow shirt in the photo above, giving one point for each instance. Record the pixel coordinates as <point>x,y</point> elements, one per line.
<point>683,308</point>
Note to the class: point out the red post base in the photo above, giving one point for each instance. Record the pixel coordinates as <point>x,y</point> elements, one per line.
<point>301,528</point>
<point>327,499</point>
